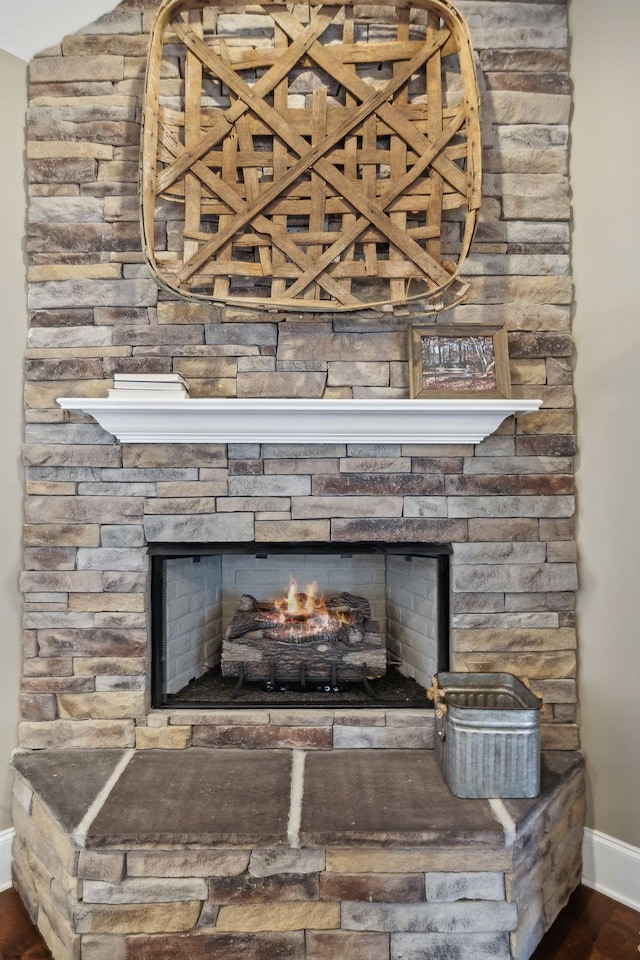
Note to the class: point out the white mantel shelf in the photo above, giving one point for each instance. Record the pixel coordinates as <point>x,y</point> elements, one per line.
<point>154,419</point>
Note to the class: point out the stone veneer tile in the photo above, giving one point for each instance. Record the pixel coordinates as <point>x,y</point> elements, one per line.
<point>144,890</point>
<point>416,736</point>
<point>187,863</point>
<point>495,529</point>
<point>268,863</point>
<point>318,342</point>
<point>60,534</point>
<point>257,504</point>
<point>68,781</point>
<point>254,737</point>
<point>200,528</point>
<point>435,946</point>
<point>22,792</point>
<point>541,665</point>
<point>136,917</point>
<point>224,796</point>
<point>57,933</point>
<point>65,69</point>
<point>475,640</point>
<point>230,946</point>
<point>399,530</point>
<point>359,717</point>
<point>273,486</point>
<point>76,734</point>
<point>284,384</point>
<point>43,847</point>
<point>303,717</point>
<point>488,553</point>
<point>305,451</point>
<point>516,578</point>
<point>187,455</point>
<point>99,865</point>
<point>83,509</point>
<point>332,944</point>
<point>100,706</point>
<point>377,484</point>
<point>450,887</point>
<point>426,507</point>
<point>374,887</point>
<point>512,506</point>
<point>331,507</point>
<point>215,717</point>
<point>163,738</point>
<point>279,916</point>
<point>85,293</point>
<point>92,643</point>
<point>509,485</point>
<point>401,797</point>
<point>289,465</point>
<point>290,530</point>
<point>103,947</point>
<point>463,917</point>
<point>277,889</point>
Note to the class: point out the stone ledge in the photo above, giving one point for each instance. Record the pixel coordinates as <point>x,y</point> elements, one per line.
<point>226,797</point>
<point>133,855</point>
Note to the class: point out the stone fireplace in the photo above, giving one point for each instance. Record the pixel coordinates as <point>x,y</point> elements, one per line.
<point>280,828</point>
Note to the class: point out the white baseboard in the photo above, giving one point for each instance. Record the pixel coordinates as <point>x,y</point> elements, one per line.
<point>611,867</point>
<point>6,843</point>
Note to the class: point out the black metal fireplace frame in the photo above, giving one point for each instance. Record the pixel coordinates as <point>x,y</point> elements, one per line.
<point>161,552</point>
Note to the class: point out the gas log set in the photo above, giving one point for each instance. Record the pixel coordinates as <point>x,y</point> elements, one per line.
<point>303,637</point>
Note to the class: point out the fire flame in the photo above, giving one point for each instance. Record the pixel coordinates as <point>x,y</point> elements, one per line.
<point>306,612</point>
<point>301,605</point>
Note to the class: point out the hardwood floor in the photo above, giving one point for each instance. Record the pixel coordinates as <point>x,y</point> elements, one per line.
<point>19,939</point>
<point>591,927</point>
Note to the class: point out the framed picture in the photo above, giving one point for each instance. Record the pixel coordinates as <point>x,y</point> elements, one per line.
<point>458,361</point>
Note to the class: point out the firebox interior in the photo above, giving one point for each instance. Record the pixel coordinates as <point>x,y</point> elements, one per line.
<point>298,624</point>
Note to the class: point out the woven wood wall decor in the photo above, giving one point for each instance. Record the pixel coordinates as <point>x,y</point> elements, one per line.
<point>310,157</point>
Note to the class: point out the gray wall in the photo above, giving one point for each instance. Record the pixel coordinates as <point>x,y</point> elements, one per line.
<point>606,250</point>
<point>13,98</point>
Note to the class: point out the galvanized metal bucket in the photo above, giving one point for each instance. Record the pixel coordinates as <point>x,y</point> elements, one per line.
<point>487,735</point>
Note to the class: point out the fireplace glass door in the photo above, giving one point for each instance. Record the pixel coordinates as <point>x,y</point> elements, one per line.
<point>302,624</point>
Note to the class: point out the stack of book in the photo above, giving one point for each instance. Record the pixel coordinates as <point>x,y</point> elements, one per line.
<point>129,386</point>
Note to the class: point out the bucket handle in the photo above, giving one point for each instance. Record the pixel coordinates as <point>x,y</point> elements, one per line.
<point>438,695</point>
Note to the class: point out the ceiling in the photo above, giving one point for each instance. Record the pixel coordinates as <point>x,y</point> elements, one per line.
<point>37,24</point>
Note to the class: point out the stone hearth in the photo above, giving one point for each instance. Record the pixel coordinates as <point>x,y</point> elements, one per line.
<point>281,855</point>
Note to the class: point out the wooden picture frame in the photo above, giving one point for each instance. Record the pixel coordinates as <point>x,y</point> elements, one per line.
<point>458,361</point>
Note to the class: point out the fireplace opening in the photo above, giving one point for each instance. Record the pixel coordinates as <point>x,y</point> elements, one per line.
<point>297,624</point>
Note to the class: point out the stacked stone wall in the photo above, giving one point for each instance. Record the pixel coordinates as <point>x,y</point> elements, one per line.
<point>92,505</point>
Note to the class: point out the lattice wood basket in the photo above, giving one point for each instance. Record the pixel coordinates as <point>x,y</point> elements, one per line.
<point>310,157</point>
